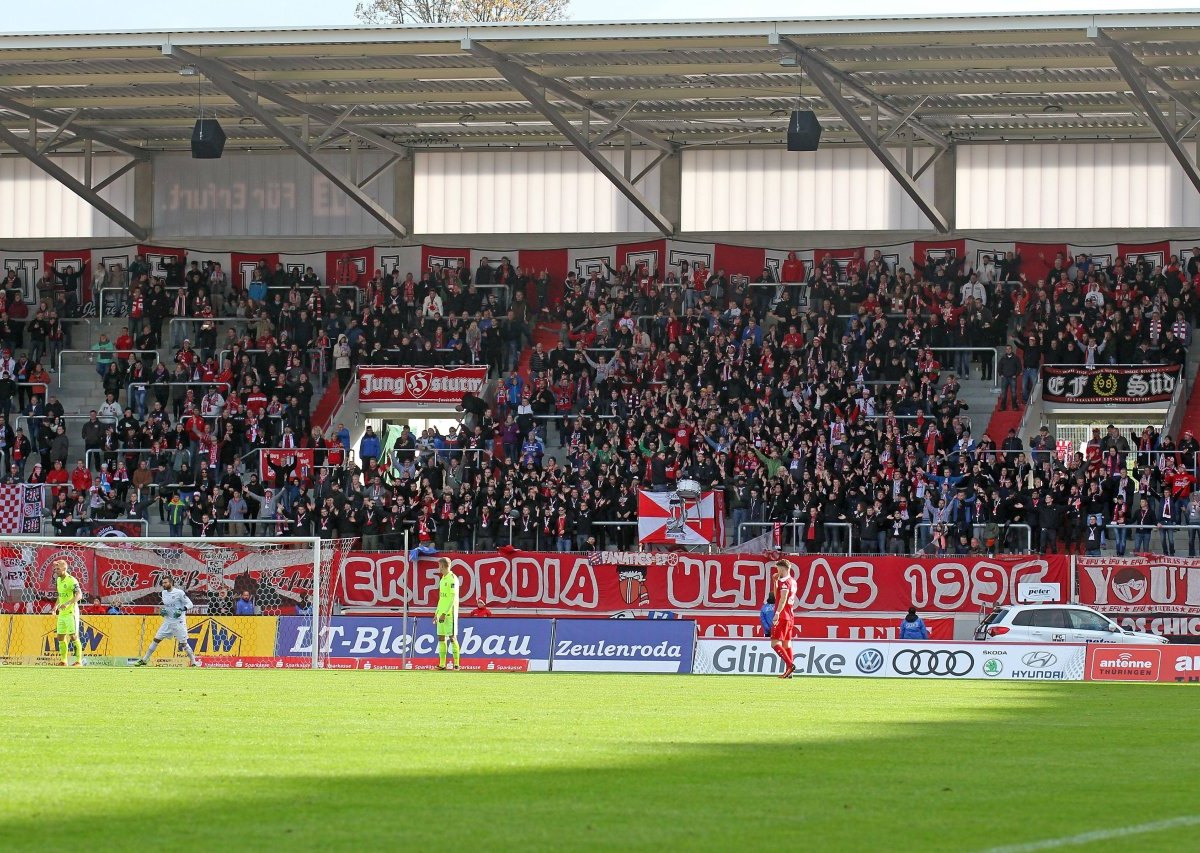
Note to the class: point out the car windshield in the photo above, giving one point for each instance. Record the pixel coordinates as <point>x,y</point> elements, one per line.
<point>995,616</point>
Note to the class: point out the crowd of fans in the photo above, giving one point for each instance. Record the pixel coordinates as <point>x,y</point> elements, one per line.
<point>827,403</point>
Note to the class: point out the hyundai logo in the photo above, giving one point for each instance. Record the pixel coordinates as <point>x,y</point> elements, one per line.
<point>929,662</point>
<point>869,661</point>
<point>1039,660</point>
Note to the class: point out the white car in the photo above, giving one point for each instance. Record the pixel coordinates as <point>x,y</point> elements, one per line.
<point>1058,623</point>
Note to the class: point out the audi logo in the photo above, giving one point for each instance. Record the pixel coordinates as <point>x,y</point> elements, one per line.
<point>1039,660</point>
<point>914,662</point>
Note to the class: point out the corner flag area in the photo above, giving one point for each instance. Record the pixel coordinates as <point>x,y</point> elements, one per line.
<point>227,759</point>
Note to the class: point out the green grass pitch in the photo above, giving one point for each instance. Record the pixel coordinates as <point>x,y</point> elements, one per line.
<point>104,758</point>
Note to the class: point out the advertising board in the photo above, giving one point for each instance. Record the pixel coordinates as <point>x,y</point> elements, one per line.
<point>1000,661</point>
<point>1170,664</point>
<point>623,645</point>
<point>496,644</point>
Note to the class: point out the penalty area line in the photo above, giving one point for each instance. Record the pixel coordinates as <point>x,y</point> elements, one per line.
<point>1098,835</point>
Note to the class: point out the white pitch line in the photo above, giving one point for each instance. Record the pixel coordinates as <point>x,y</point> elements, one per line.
<point>1097,835</point>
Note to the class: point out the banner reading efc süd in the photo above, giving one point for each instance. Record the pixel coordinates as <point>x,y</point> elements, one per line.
<point>498,645</point>
<point>623,645</point>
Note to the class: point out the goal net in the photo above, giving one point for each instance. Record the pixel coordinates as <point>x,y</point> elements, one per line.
<point>257,602</point>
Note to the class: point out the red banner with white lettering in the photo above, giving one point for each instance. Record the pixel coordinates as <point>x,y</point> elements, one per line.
<point>418,384</point>
<point>294,460</point>
<point>125,575</point>
<point>1139,582</point>
<point>565,584</point>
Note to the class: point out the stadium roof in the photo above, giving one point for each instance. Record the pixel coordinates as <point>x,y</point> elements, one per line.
<point>880,82</point>
<point>966,78</point>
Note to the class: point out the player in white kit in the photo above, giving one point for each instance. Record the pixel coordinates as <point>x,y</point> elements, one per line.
<point>175,605</point>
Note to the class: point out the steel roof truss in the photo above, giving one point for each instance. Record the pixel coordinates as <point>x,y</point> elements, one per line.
<point>1137,75</point>
<point>91,196</point>
<point>244,99</point>
<point>830,90</point>
<point>527,84</point>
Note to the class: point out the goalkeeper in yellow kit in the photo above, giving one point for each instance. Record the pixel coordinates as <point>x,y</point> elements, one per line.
<point>66,612</point>
<point>446,618</point>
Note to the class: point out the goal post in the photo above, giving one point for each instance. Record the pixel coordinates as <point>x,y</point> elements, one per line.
<point>246,594</point>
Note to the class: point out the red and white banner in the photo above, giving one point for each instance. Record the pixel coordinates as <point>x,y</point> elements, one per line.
<point>565,584</point>
<point>1177,624</point>
<point>1149,582</point>
<point>418,384</point>
<point>356,266</point>
<point>127,575</point>
<point>665,518</point>
<point>1172,664</point>
<point>812,626</point>
<point>298,460</point>
<point>20,509</point>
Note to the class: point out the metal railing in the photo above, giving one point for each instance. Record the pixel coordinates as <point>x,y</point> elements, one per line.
<point>306,291</point>
<point>149,383</point>
<point>949,369</point>
<point>965,420</point>
<point>1118,537</point>
<point>792,543</point>
<point>106,420</point>
<point>94,353</point>
<point>102,300</point>
<point>924,536</point>
<point>222,355</point>
<point>501,297</point>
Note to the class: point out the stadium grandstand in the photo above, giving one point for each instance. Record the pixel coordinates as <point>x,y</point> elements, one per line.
<point>962,324</point>
<point>819,394</point>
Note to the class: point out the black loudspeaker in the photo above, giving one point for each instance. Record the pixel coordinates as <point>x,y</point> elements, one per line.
<point>208,139</point>
<point>804,131</point>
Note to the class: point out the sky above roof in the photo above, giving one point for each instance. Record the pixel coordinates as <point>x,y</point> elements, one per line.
<point>87,15</point>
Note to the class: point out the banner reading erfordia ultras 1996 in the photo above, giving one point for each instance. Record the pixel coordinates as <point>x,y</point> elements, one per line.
<point>1151,383</point>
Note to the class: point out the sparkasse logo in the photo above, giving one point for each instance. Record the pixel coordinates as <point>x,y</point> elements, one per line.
<point>1124,664</point>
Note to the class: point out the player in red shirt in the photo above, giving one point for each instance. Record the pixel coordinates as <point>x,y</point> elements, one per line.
<point>785,619</point>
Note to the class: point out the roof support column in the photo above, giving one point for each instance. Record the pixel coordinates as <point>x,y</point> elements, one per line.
<point>670,188</point>
<point>404,183</point>
<point>945,183</point>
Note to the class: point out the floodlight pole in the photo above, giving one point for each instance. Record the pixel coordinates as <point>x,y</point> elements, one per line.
<point>226,82</point>
<point>1135,74</point>
<point>533,88</point>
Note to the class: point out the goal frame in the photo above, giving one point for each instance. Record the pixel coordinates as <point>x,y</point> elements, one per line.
<point>313,542</point>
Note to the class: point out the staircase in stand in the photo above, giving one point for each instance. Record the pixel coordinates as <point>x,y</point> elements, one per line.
<point>546,334</point>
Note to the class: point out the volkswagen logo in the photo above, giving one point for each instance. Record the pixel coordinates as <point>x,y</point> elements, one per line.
<point>1039,660</point>
<point>869,661</point>
<point>931,662</point>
